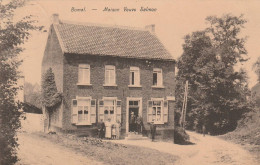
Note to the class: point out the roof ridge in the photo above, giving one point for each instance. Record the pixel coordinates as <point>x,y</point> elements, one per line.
<point>104,25</point>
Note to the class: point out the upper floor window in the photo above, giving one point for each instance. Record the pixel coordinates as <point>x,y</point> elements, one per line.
<point>157,77</point>
<point>110,75</point>
<point>84,74</point>
<point>134,76</point>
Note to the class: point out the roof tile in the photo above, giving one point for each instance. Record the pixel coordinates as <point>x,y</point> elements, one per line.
<point>110,41</point>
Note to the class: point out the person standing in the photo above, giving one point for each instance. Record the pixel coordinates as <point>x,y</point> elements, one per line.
<point>102,129</point>
<point>118,129</point>
<point>132,122</point>
<point>153,130</point>
<point>139,124</point>
<point>204,129</point>
<point>113,131</point>
<point>108,129</point>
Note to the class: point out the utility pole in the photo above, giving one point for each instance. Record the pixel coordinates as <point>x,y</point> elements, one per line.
<point>184,106</point>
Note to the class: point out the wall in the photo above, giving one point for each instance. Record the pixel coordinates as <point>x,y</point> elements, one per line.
<point>53,58</point>
<point>97,90</point>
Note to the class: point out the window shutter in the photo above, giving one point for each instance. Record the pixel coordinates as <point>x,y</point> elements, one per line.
<point>93,111</point>
<point>150,111</point>
<point>101,110</point>
<point>165,111</point>
<point>74,108</point>
<point>118,111</point>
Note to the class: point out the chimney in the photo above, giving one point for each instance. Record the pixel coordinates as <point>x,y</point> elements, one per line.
<point>55,19</point>
<point>151,28</point>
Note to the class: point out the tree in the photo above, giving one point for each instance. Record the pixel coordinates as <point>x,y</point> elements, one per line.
<point>12,36</point>
<point>256,66</point>
<point>217,93</point>
<point>51,98</point>
<point>32,94</point>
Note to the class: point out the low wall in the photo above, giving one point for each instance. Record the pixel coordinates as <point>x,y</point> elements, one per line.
<point>31,122</point>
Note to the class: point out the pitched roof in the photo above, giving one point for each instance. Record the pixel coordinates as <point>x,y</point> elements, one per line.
<point>110,41</point>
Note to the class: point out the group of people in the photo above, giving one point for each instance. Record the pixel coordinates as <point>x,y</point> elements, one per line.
<point>109,130</point>
<point>135,123</point>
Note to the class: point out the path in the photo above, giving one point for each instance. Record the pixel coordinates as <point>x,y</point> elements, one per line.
<point>40,151</point>
<point>206,150</point>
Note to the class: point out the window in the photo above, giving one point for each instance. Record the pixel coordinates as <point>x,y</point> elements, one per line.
<point>157,77</point>
<point>110,108</point>
<point>110,76</point>
<point>83,111</point>
<point>158,111</point>
<point>84,74</point>
<point>134,76</point>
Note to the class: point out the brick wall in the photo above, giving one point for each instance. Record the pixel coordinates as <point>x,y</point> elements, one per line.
<point>97,90</point>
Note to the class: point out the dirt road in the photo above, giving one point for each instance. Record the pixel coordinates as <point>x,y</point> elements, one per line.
<point>206,151</point>
<point>35,151</point>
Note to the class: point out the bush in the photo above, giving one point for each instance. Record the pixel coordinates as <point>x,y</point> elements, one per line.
<point>180,136</point>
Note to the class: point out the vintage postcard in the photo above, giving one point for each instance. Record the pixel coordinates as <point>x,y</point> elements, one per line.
<point>140,82</point>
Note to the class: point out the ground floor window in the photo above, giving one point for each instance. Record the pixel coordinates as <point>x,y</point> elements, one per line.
<point>157,111</point>
<point>109,109</point>
<point>83,111</point>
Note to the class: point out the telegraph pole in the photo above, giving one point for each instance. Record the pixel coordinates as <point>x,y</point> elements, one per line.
<point>184,106</point>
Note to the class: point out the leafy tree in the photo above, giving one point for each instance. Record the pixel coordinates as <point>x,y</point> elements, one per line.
<point>51,98</point>
<point>32,94</point>
<point>217,93</point>
<point>12,36</point>
<point>256,66</point>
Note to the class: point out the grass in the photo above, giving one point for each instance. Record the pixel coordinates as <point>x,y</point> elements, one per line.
<point>247,133</point>
<point>110,153</point>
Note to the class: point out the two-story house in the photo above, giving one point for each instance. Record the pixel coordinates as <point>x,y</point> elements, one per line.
<point>109,72</point>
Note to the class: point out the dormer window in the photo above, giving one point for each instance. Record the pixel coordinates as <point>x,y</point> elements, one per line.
<point>110,75</point>
<point>157,77</point>
<point>84,74</point>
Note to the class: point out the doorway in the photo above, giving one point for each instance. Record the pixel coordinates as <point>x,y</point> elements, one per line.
<point>133,110</point>
<point>133,114</point>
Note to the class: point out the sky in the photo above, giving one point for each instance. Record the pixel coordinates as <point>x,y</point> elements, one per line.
<point>173,20</point>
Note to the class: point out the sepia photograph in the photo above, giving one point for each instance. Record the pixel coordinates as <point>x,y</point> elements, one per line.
<point>126,82</point>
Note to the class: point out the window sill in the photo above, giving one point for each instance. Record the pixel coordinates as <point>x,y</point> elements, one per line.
<point>84,123</point>
<point>159,122</point>
<point>109,85</point>
<point>84,84</point>
<point>135,86</point>
<point>158,87</point>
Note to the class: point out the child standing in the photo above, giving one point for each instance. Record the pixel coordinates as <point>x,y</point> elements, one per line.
<point>113,131</point>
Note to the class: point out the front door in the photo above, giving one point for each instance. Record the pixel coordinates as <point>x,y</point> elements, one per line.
<point>133,114</point>
<point>134,107</point>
